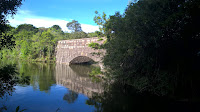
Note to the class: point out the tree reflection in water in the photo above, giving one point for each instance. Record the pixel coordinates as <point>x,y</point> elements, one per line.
<point>70,97</point>
<point>8,79</point>
<point>116,98</point>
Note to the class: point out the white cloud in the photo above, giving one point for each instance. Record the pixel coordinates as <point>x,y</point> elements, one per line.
<point>28,17</point>
<point>89,28</point>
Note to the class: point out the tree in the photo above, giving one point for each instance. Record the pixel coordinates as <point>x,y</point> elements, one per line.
<point>57,31</point>
<point>8,79</point>
<point>154,45</point>
<point>78,35</point>
<point>7,73</point>
<point>42,29</point>
<point>27,27</point>
<point>7,7</point>
<point>33,43</point>
<point>74,26</point>
<point>56,27</point>
<point>6,41</point>
<point>47,43</point>
<point>101,20</point>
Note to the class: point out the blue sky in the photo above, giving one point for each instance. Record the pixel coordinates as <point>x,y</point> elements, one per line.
<point>45,13</point>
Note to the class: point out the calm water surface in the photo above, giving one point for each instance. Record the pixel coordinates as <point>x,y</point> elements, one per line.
<point>62,88</point>
<point>53,87</point>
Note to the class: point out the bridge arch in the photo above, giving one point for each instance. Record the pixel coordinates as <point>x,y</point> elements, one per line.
<point>81,60</point>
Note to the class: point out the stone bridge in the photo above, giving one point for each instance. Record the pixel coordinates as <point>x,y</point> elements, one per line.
<point>77,51</point>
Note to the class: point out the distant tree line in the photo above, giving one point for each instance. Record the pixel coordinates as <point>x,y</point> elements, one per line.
<point>39,44</point>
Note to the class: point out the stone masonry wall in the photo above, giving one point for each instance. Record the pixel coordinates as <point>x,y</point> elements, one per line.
<point>67,50</point>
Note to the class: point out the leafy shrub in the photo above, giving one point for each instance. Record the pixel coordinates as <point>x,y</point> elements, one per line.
<point>94,45</point>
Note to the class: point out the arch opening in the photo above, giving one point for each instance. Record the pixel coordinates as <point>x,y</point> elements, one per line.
<point>82,60</point>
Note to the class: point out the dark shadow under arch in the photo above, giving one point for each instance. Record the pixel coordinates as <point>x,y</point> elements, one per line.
<point>82,60</point>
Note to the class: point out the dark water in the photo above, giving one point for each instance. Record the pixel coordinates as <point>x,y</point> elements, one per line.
<point>51,88</point>
<point>61,88</point>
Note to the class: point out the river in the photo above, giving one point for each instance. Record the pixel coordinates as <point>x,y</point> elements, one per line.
<point>51,88</point>
<point>54,87</point>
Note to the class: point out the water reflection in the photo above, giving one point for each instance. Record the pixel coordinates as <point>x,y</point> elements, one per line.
<point>50,87</point>
<point>71,96</point>
<point>41,75</point>
<point>8,79</point>
<point>75,77</point>
<point>56,87</point>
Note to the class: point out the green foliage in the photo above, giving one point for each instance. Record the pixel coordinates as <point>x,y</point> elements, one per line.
<point>95,71</point>
<point>74,26</point>
<point>56,27</point>
<point>96,34</point>
<point>77,32</point>
<point>8,79</point>
<point>6,41</point>
<point>78,35</point>
<point>153,43</point>
<point>101,20</point>
<point>42,29</point>
<point>24,49</point>
<point>7,7</point>
<point>100,39</point>
<point>99,34</point>
<point>96,74</point>
<point>27,27</point>
<point>93,34</point>
<point>94,45</point>
<point>31,43</point>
